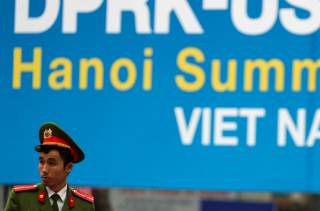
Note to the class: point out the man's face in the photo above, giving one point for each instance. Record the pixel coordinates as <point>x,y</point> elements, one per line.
<point>52,170</point>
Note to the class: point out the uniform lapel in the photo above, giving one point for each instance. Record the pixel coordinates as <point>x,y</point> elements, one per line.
<point>46,205</point>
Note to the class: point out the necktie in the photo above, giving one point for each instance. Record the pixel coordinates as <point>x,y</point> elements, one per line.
<point>55,197</point>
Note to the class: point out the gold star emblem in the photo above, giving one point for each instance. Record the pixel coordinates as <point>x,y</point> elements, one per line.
<point>47,133</point>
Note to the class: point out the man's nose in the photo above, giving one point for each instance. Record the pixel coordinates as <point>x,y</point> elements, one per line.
<point>44,168</point>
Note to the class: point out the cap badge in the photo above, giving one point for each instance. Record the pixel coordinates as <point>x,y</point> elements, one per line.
<point>47,133</point>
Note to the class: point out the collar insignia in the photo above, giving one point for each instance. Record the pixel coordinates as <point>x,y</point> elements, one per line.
<point>71,202</point>
<point>42,197</point>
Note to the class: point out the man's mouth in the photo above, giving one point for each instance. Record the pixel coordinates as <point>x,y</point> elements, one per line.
<point>44,178</point>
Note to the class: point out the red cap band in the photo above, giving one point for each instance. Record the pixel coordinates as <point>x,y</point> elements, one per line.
<point>56,141</point>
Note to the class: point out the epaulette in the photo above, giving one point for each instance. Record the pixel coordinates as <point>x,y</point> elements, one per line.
<point>20,188</point>
<point>83,196</point>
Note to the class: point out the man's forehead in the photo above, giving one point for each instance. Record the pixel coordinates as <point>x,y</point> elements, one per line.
<point>54,154</point>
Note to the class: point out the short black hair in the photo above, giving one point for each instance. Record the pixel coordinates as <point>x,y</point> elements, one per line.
<point>65,153</point>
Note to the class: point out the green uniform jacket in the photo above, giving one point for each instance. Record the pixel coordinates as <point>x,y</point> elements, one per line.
<point>28,200</point>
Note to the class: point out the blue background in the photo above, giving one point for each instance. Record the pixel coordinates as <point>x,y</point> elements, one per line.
<point>131,138</point>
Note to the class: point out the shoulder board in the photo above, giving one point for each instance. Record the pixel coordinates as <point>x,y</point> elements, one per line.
<point>83,196</point>
<point>21,188</point>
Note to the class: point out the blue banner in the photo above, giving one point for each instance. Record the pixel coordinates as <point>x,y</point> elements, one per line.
<point>211,95</point>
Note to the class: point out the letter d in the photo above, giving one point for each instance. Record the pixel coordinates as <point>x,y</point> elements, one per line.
<point>26,24</point>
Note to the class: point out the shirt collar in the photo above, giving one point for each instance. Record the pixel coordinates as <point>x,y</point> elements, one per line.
<point>62,193</point>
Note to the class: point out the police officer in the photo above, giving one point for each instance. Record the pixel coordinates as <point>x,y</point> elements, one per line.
<point>57,154</point>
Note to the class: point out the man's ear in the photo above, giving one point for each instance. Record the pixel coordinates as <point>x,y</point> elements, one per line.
<point>69,167</point>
